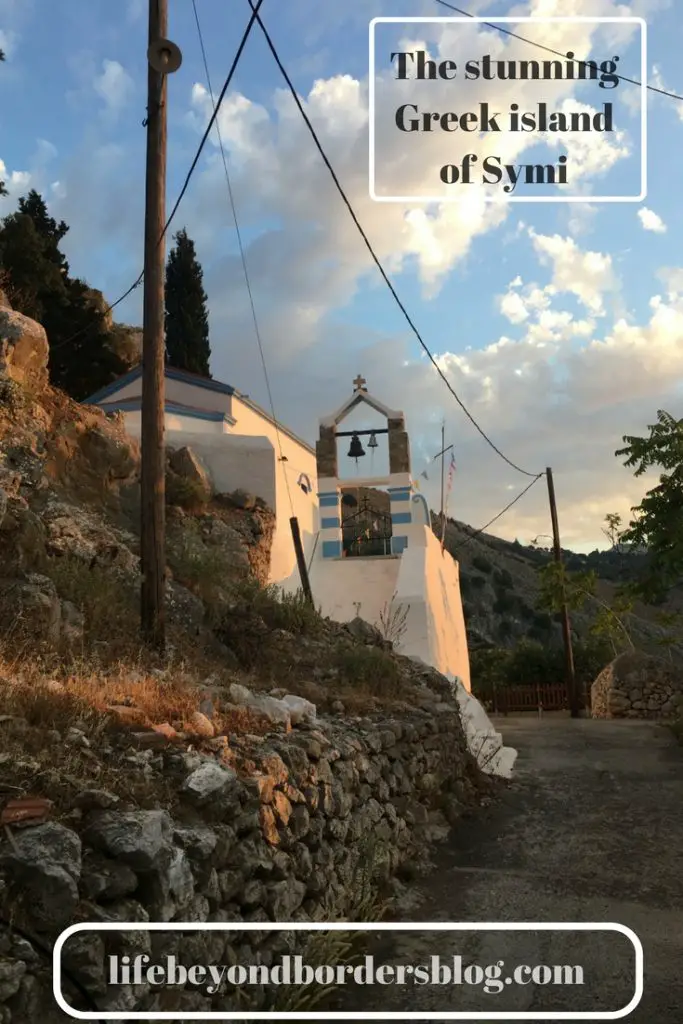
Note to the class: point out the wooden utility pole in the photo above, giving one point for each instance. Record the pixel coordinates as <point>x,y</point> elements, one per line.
<point>163,58</point>
<point>570,677</point>
<point>443,443</point>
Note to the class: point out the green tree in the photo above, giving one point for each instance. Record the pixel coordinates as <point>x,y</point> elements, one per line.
<point>657,523</point>
<point>36,273</point>
<point>187,319</point>
<point>612,529</point>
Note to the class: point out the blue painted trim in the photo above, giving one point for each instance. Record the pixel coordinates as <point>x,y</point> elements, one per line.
<point>133,405</point>
<point>398,545</point>
<point>420,499</point>
<point>401,517</point>
<point>170,372</point>
<point>330,523</point>
<point>400,493</point>
<point>327,500</point>
<point>331,549</point>
<point>115,386</point>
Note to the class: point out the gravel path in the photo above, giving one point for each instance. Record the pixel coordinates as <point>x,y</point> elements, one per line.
<point>589,830</point>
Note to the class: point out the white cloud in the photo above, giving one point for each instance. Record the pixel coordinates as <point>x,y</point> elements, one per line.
<point>587,275</point>
<point>114,85</point>
<point>651,221</point>
<point>559,388</point>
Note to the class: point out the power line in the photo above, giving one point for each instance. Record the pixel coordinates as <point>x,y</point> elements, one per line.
<point>238,235</point>
<point>371,250</point>
<point>188,176</point>
<point>557,53</point>
<point>501,513</point>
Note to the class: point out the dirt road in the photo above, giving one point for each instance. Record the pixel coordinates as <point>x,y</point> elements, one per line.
<point>589,830</point>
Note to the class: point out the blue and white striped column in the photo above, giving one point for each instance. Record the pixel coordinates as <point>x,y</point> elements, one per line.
<point>401,517</point>
<point>329,508</point>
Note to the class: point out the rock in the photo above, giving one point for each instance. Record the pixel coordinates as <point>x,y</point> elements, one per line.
<point>24,349</point>
<point>72,624</point>
<point>285,898</point>
<point>268,824</point>
<point>240,499</point>
<point>33,605</point>
<point>104,879</point>
<point>276,711</point>
<point>283,808</point>
<point>212,783</point>
<point>187,464</point>
<point>362,630</point>
<point>11,973</point>
<point>300,710</point>
<point>138,838</point>
<point>45,860</point>
<point>240,694</point>
<point>198,842</point>
<point>83,957</point>
<point>96,799</point>
<point>200,725</point>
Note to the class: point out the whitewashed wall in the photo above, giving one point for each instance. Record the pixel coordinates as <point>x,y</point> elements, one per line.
<point>181,392</point>
<point>176,422</point>
<point>338,585</point>
<point>298,460</point>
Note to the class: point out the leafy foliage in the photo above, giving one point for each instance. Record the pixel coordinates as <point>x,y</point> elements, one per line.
<point>187,319</point>
<point>657,522</point>
<point>530,663</point>
<point>36,277</point>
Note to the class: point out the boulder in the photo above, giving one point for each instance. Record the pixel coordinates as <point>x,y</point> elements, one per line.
<point>138,838</point>
<point>187,465</point>
<point>46,861</point>
<point>24,349</point>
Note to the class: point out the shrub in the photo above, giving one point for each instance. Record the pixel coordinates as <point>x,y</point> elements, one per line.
<point>190,495</point>
<point>504,579</point>
<point>482,564</point>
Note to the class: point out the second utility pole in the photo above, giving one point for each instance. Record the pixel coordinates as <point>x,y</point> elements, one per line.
<point>570,677</point>
<point>163,58</point>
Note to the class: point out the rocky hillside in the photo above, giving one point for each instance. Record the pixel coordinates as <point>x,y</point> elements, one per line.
<point>500,589</point>
<point>271,765</point>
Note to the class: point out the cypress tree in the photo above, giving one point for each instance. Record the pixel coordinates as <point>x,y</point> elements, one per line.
<point>39,285</point>
<point>187,319</point>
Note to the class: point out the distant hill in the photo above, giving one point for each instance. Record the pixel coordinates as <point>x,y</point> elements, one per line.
<point>500,590</point>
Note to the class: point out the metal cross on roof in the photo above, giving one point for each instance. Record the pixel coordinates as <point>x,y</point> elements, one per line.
<point>359,383</point>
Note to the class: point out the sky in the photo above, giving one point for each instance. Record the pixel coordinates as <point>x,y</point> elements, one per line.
<point>558,325</point>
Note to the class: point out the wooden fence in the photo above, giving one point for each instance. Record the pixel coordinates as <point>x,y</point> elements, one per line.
<point>514,699</point>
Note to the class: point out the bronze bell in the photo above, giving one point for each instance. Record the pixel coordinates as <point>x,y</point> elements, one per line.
<point>372,443</point>
<point>356,450</point>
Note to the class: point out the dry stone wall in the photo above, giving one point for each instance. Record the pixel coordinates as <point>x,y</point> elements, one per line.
<point>329,810</point>
<point>637,685</point>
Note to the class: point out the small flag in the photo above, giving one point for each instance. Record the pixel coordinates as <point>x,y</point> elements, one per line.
<point>423,474</point>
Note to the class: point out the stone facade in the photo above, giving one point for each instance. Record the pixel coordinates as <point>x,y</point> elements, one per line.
<point>326,453</point>
<point>399,446</point>
<point>637,685</point>
<point>328,806</point>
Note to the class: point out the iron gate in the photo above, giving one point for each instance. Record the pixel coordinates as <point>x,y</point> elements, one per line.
<point>366,532</point>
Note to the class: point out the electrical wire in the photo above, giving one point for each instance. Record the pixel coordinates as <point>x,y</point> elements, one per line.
<point>238,235</point>
<point>188,176</point>
<point>557,53</point>
<point>371,250</point>
<point>501,513</point>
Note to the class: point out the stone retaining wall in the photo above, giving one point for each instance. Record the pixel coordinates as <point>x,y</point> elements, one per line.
<point>327,805</point>
<point>637,685</point>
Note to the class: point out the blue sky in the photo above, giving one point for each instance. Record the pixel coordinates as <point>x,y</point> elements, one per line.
<point>586,355</point>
